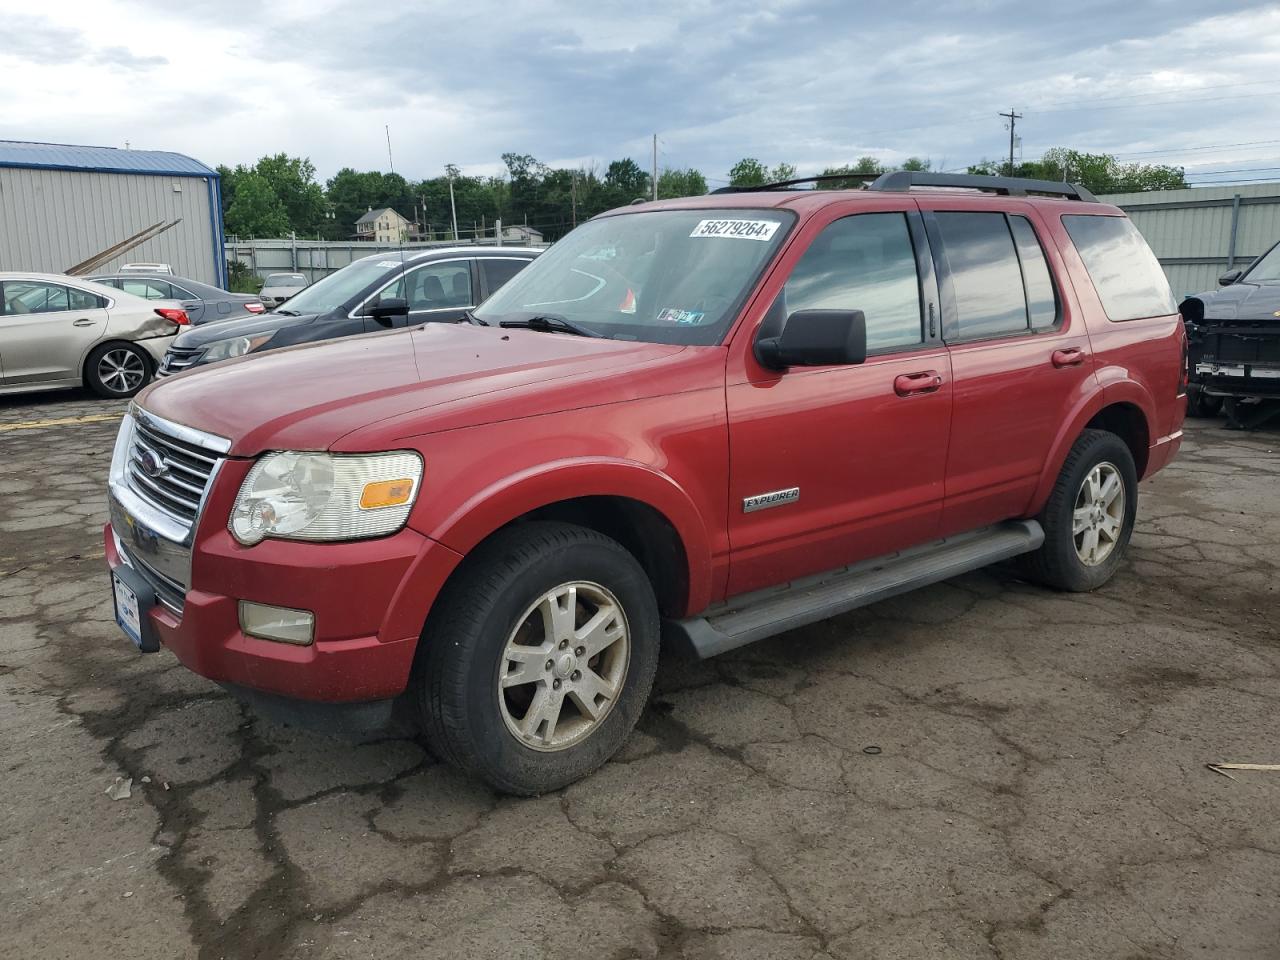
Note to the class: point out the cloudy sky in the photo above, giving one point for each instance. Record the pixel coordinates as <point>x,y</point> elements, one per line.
<point>810,82</point>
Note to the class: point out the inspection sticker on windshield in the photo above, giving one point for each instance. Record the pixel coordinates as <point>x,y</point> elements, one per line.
<point>682,317</point>
<point>742,229</point>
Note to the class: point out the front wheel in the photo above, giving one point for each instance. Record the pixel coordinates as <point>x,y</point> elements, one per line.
<point>117,371</point>
<point>1089,516</point>
<point>540,658</point>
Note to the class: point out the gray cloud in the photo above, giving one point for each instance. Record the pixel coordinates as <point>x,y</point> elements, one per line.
<point>37,41</point>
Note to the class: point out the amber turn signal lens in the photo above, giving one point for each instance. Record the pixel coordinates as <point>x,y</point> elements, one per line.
<point>385,493</point>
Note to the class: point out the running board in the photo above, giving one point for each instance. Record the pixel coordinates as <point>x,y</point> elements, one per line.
<point>753,616</point>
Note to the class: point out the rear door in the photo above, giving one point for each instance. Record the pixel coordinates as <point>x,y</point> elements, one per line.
<point>46,329</point>
<point>831,465</point>
<point>1020,355</point>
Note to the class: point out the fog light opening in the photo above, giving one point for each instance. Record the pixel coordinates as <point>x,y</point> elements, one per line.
<point>282,624</point>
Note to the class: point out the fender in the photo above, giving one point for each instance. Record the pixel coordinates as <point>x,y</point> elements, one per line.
<point>1114,386</point>
<point>519,493</point>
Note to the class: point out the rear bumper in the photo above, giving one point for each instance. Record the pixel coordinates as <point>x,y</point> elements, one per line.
<point>370,599</point>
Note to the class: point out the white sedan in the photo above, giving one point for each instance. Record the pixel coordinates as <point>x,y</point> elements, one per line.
<point>58,331</point>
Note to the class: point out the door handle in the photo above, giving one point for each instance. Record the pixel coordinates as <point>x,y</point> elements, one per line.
<point>910,384</point>
<point>1070,357</point>
<point>82,322</point>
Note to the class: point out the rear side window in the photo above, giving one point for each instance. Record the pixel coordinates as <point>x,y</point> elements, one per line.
<point>1042,299</point>
<point>986,278</point>
<point>864,262</point>
<point>1123,269</point>
<point>497,272</point>
<point>83,300</point>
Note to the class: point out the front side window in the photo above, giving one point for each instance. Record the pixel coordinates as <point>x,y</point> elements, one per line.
<point>1124,271</point>
<point>442,286</point>
<point>864,262</point>
<point>662,276</point>
<point>1267,269</point>
<point>986,279</point>
<point>33,296</point>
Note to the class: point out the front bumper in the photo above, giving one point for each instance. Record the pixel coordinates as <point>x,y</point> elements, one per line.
<point>370,599</point>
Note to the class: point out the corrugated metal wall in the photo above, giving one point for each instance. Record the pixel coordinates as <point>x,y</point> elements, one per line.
<point>53,219</point>
<point>1190,230</point>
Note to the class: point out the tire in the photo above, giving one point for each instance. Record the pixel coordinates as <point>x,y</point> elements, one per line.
<point>116,371</point>
<point>1201,405</point>
<point>1059,562</point>
<point>499,604</point>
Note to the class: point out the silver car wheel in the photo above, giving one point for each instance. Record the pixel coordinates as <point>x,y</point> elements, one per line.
<point>121,370</point>
<point>564,666</point>
<point>1098,518</point>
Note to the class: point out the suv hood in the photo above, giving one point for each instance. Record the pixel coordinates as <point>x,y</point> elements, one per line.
<point>1242,301</point>
<point>310,396</point>
<point>249,325</point>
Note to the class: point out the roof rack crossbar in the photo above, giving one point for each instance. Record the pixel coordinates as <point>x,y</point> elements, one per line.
<point>783,184</point>
<point>903,180</point>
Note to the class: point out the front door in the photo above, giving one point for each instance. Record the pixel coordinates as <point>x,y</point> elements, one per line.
<point>832,465</point>
<point>45,330</point>
<point>437,292</point>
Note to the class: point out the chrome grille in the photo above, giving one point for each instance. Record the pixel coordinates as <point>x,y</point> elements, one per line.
<point>169,592</point>
<point>170,473</point>
<point>177,359</point>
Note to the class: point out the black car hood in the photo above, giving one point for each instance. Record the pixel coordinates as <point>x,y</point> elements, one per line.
<point>1242,301</point>
<point>251,326</point>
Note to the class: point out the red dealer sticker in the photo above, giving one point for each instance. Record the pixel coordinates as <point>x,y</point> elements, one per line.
<point>739,229</point>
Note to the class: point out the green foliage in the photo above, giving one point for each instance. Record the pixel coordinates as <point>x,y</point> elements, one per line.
<point>681,183</point>
<point>1098,172</point>
<point>293,180</point>
<point>748,172</point>
<point>256,211</point>
<point>241,279</point>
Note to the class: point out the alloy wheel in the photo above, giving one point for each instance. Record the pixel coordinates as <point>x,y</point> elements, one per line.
<point>121,371</point>
<point>1098,518</point>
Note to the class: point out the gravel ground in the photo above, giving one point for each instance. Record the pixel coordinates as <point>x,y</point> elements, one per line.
<point>1037,786</point>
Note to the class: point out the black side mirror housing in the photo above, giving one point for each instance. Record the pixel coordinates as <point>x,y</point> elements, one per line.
<point>391,307</point>
<point>816,338</point>
<point>1230,277</point>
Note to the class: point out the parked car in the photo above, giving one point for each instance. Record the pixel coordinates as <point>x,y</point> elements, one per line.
<point>147,268</point>
<point>279,287</point>
<point>813,400</point>
<point>1234,350</point>
<point>58,331</point>
<point>202,302</point>
<point>375,293</point>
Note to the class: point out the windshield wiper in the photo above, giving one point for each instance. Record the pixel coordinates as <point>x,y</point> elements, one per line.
<point>470,317</point>
<point>550,323</point>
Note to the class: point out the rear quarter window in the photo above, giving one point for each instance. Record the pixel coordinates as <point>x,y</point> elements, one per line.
<point>1124,271</point>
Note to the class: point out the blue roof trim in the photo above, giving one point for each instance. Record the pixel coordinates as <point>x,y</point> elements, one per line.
<point>58,156</point>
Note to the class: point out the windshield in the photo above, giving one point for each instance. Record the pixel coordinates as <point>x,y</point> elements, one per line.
<point>665,276</point>
<point>335,290</point>
<point>285,280</point>
<point>1268,268</point>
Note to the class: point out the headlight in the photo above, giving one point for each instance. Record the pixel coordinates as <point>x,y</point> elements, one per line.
<point>321,496</point>
<point>235,347</point>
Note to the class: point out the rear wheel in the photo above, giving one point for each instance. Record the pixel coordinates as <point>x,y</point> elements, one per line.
<point>1089,516</point>
<point>540,658</point>
<point>117,370</point>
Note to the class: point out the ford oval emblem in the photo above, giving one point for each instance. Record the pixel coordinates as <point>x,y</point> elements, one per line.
<point>151,464</point>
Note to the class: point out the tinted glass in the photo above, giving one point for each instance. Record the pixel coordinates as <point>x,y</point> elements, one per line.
<point>1267,268</point>
<point>865,263</point>
<point>32,296</point>
<point>498,272</point>
<point>1123,269</point>
<point>985,275</point>
<point>439,287</point>
<point>1042,300</point>
<point>664,276</point>
<point>83,300</point>
<point>148,289</point>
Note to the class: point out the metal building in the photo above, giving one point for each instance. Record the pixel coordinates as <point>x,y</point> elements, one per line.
<point>61,205</point>
<point>1200,233</point>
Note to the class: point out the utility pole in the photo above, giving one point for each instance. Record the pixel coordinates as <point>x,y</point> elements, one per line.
<point>655,166</point>
<point>1013,119</point>
<point>450,169</point>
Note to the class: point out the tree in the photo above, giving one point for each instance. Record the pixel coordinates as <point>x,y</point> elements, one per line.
<point>256,211</point>
<point>1097,172</point>
<point>624,182</point>
<point>783,171</point>
<point>748,172</point>
<point>293,180</point>
<point>681,183</point>
<point>915,163</point>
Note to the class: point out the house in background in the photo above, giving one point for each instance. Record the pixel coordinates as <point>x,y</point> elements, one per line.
<point>383,226</point>
<point>521,234</point>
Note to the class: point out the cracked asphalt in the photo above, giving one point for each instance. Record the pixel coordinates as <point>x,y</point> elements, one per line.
<point>983,769</point>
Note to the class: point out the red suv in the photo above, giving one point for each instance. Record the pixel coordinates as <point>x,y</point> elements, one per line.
<point>715,419</point>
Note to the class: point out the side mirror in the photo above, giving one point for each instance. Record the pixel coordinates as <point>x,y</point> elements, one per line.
<point>816,338</point>
<point>1230,277</point>
<point>391,307</point>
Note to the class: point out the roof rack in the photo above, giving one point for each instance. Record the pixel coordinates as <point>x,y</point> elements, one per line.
<point>903,180</point>
<point>783,184</point>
